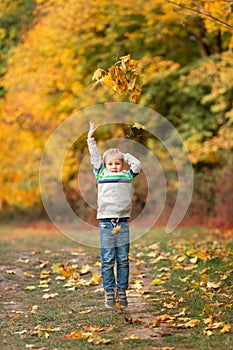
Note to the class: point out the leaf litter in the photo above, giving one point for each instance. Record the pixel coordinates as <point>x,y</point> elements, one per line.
<point>156,310</point>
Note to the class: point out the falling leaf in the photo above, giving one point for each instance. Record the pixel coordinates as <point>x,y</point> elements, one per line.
<point>98,74</point>
<point>138,126</point>
<point>116,229</point>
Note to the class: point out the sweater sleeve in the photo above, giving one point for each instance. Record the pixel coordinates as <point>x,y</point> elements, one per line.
<point>134,163</point>
<point>96,159</point>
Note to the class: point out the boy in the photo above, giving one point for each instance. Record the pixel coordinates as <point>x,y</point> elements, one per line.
<point>114,208</point>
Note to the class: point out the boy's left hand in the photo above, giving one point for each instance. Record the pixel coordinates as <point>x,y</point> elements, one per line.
<point>92,129</point>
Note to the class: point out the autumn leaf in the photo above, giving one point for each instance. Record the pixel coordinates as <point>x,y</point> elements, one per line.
<point>85,269</point>
<point>131,337</point>
<point>214,285</point>
<point>157,282</point>
<point>98,74</point>
<point>123,77</point>
<point>164,318</point>
<point>29,275</point>
<point>138,126</point>
<point>95,280</point>
<point>97,340</point>
<point>50,296</point>
<point>191,324</point>
<point>226,328</point>
<point>116,229</point>
<point>30,287</point>
<point>84,312</point>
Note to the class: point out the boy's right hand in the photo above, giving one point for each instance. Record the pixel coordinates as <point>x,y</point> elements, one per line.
<point>92,129</point>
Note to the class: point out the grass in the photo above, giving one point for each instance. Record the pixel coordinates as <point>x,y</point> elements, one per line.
<point>192,269</point>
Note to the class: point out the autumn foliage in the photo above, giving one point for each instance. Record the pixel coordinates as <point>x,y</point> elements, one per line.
<point>172,56</point>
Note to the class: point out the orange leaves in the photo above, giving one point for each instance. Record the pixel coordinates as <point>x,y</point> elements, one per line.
<point>121,78</point>
<point>90,333</point>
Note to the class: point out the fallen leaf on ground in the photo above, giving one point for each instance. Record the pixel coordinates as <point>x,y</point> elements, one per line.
<point>50,296</point>
<point>85,312</point>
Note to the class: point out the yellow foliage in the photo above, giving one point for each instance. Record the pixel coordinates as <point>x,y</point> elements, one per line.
<point>123,77</point>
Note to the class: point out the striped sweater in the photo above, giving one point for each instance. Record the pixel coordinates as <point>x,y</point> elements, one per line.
<point>114,189</point>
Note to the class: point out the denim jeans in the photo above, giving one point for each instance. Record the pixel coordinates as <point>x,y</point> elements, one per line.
<point>114,249</point>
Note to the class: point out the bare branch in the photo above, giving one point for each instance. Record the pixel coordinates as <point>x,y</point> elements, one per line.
<point>202,11</point>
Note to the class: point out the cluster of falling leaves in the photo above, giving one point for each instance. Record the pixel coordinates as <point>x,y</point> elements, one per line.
<point>122,78</point>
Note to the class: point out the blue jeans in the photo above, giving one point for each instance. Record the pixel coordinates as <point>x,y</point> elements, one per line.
<point>114,248</point>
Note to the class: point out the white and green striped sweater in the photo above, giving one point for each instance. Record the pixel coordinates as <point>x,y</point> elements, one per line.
<point>114,189</point>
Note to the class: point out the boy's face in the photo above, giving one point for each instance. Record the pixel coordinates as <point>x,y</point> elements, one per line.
<point>114,165</point>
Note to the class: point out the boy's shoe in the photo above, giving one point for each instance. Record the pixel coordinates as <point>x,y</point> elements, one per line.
<point>121,295</point>
<point>110,300</point>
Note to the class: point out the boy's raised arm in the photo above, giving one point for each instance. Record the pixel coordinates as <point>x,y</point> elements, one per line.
<point>96,159</point>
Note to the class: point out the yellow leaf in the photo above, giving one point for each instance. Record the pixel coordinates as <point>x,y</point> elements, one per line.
<point>214,285</point>
<point>95,280</point>
<point>50,296</point>
<point>207,332</point>
<point>28,275</point>
<point>157,282</point>
<point>226,328</point>
<point>98,74</point>
<point>191,324</point>
<point>132,337</point>
<point>138,126</point>
<point>194,260</point>
<point>30,287</point>
<point>84,312</point>
<point>164,318</point>
<point>97,340</point>
<point>56,268</point>
<point>85,269</point>
<point>116,229</point>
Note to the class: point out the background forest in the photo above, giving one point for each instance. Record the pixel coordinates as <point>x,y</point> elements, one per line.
<point>49,50</point>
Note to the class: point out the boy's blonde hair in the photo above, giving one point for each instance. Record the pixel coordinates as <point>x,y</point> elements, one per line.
<point>113,153</point>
